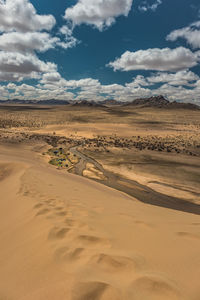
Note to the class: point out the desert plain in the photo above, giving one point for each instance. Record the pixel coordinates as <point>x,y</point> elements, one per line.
<point>99,203</point>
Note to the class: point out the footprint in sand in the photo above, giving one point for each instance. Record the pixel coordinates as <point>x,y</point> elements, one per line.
<point>95,291</point>
<point>61,213</point>
<point>189,235</point>
<point>65,254</point>
<point>27,193</point>
<point>93,241</point>
<point>115,264</point>
<point>61,253</point>
<point>39,205</point>
<point>76,224</point>
<point>76,254</point>
<point>58,233</point>
<point>49,201</point>
<point>153,288</point>
<point>58,208</point>
<point>43,211</point>
<point>72,223</point>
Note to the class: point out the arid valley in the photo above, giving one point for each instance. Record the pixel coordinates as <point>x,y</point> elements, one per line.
<point>99,202</point>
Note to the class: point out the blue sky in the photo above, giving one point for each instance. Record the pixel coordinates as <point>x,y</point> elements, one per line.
<point>92,49</point>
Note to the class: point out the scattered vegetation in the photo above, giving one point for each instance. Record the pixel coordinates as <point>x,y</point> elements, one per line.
<point>17,123</point>
<point>62,158</point>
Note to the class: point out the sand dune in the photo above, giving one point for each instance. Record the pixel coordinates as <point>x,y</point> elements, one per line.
<point>66,237</point>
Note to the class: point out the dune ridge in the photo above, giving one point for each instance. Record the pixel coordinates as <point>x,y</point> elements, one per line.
<point>67,237</point>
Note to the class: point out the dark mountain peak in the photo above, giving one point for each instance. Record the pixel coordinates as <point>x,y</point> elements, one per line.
<point>157,101</point>
<point>160,102</point>
<point>85,103</point>
<point>159,98</point>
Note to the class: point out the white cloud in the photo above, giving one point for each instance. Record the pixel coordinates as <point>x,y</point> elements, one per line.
<point>175,93</point>
<point>111,89</point>
<point>20,15</point>
<point>180,78</point>
<point>190,33</point>
<point>83,83</point>
<point>8,76</point>
<point>165,59</point>
<point>174,87</point>
<point>65,30</point>
<point>99,13</point>
<point>27,42</point>
<point>69,40</point>
<point>29,92</point>
<point>145,6</point>
<point>54,86</point>
<point>53,81</point>
<point>138,81</point>
<point>56,79</point>
<point>22,34</point>
<point>51,77</point>
<point>17,66</point>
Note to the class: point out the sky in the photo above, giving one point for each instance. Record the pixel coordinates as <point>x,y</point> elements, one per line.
<point>100,49</point>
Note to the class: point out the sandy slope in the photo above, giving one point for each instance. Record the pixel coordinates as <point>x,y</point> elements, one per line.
<point>66,237</point>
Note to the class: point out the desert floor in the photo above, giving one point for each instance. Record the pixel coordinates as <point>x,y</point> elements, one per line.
<point>114,216</point>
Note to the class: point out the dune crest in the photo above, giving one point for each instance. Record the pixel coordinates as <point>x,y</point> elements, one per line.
<point>67,237</point>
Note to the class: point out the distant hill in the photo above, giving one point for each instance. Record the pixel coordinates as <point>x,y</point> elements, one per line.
<point>155,101</point>
<point>161,102</point>
<point>85,103</point>
<point>110,102</point>
<point>53,102</point>
<point>40,102</point>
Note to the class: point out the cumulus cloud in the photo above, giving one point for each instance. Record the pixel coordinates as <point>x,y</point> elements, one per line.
<point>20,15</point>
<point>99,13</point>
<point>54,79</point>
<point>23,33</point>
<point>138,81</point>
<point>29,92</point>
<point>19,66</point>
<point>181,78</point>
<point>28,42</point>
<point>7,76</point>
<point>145,6</point>
<point>165,59</point>
<point>69,40</point>
<point>190,33</point>
<point>51,77</point>
<point>177,79</point>
<point>52,85</point>
<point>83,83</point>
<point>171,85</point>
